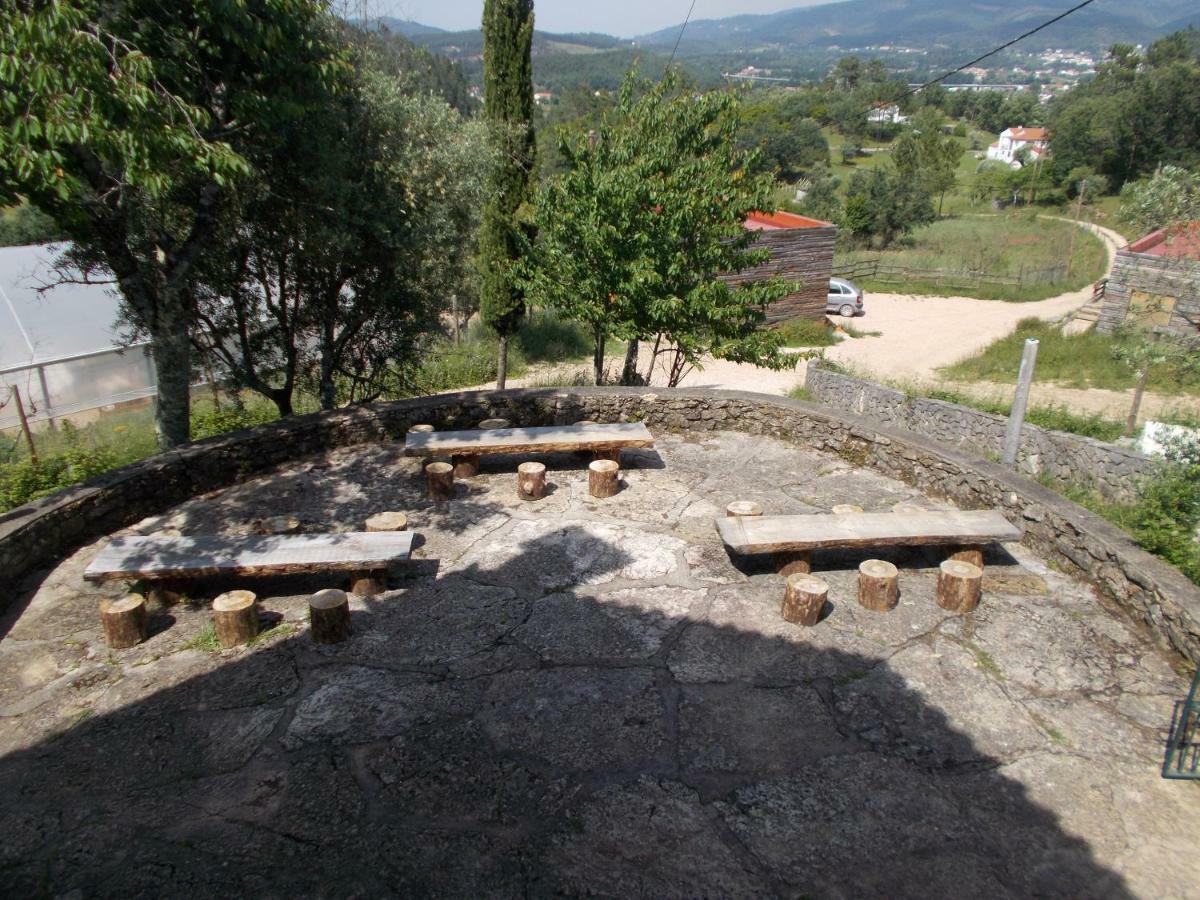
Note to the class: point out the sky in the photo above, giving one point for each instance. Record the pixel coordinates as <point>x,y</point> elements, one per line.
<point>623,18</point>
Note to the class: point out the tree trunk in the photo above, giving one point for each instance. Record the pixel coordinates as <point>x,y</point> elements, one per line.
<point>598,357</point>
<point>173,370</point>
<point>1138,391</point>
<point>454,316</point>
<point>502,363</point>
<point>629,372</point>
<point>326,388</point>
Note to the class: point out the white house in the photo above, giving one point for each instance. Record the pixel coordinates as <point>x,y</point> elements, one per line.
<point>888,114</point>
<point>1013,140</point>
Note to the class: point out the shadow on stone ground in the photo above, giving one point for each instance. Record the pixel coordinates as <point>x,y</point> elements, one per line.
<point>500,732</point>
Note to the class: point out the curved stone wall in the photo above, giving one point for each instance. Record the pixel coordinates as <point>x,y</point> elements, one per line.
<point>41,533</point>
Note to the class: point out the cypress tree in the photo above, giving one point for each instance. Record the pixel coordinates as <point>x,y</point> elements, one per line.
<point>508,105</point>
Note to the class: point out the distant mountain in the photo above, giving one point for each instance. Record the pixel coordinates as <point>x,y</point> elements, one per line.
<point>967,24</point>
<point>407,27</point>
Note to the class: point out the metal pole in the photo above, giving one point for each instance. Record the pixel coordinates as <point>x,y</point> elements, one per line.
<point>1016,418</point>
<point>41,370</point>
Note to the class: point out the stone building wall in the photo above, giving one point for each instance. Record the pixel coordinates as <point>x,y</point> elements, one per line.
<point>1062,457</point>
<point>43,532</point>
<point>1159,277</point>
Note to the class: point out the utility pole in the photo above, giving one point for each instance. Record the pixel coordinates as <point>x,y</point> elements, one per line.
<point>1016,418</point>
<point>16,394</point>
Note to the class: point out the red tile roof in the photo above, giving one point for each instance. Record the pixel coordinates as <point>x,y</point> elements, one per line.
<point>1021,133</point>
<point>780,221</point>
<point>1182,241</point>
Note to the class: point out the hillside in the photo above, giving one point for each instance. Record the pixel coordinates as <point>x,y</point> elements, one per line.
<point>925,23</point>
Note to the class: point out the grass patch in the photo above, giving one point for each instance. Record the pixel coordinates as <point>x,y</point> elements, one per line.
<point>1010,245</point>
<point>853,332</point>
<point>1053,733</point>
<point>1079,361</point>
<point>806,333</point>
<point>281,630</point>
<point>800,392</point>
<point>205,640</point>
<point>984,660</point>
<point>561,378</point>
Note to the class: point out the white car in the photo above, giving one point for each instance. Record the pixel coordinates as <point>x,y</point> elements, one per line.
<point>844,299</point>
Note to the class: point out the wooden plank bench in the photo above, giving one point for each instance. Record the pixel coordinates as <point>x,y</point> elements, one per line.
<point>793,538</point>
<point>465,447</point>
<point>164,559</point>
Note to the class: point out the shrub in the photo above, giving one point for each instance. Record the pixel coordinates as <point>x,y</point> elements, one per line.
<point>210,421</point>
<point>24,480</point>
<point>806,333</point>
<point>549,338</point>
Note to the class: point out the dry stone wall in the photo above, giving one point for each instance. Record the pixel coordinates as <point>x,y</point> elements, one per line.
<point>1163,278</point>
<point>1065,458</point>
<point>39,534</point>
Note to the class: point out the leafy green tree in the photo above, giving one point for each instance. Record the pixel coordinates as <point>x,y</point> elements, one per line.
<point>1169,197</point>
<point>632,236</point>
<point>508,105</point>
<point>882,206</point>
<point>821,200</point>
<point>336,261</point>
<point>129,123</point>
<point>924,155</point>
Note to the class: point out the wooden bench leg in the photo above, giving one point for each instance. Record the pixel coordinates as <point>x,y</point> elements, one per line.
<point>465,465</point>
<point>165,592</point>
<point>614,455</point>
<point>793,562</point>
<point>368,583</point>
<point>968,553</point>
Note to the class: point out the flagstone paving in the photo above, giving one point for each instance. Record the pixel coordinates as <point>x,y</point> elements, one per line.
<point>580,696</point>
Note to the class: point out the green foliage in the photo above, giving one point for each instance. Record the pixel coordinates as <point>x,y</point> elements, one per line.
<point>1080,361</point>
<point>631,235</point>
<point>821,200</point>
<point>1137,113</point>
<point>882,206</point>
<point>1169,197</point>
<point>788,143</point>
<point>23,480</point>
<point>923,156</point>
<point>208,421</point>
<point>508,99</point>
<point>548,337</point>
<point>205,640</point>
<point>800,392</point>
<point>1052,417</point>
<point>446,367</point>
<point>806,333</point>
<point>24,224</point>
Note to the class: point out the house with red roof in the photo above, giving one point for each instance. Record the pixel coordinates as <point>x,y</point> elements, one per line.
<point>1013,140</point>
<point>802,252</point>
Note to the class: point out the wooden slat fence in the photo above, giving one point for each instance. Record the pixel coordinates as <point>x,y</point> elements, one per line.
<point>889,273</point>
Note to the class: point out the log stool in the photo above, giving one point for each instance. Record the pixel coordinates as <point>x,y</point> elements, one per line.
<point>969,554</point>
<point>440,479</point>
<point>489,424</point>
<point>531,481</point>
<point>602,478</point>
<point>846,509</point>
<point>278,525</point>
<point>387,521</point>
<point>793,562</point>
<point>329,616</point>
<point>804,599</point>
<point>124,621</point>
<point>368,582</point>
<point>235,618</point>
<point>959,586</point>
<point>466,465</point>
<point>739,508</point>
<point>421,429</point>
<point>878,585</point>
<point>609,455</point>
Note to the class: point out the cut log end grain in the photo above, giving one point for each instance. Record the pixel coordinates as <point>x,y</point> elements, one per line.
<point>804,599</point>
<point>490,424</point>
<point>440,479</point>
<point>960,586</point>
<point>603,478</point>
<point>387,521</point>
<point>420,429</point>
<point>740,508</point>
<point>235,618</point>
<point>329,616</point>
<point>124,621</point>
<point>878,585</point>
<point>531,481</point>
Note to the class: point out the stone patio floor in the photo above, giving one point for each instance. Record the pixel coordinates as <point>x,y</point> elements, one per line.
<point>583,696</point>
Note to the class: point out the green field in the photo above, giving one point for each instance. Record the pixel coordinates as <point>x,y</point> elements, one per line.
<point>1015,244</point>
<point>1077,361</point>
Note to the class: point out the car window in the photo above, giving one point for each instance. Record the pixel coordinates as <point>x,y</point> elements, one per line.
<point>835,288</point>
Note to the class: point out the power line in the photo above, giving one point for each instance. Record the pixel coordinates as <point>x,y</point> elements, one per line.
<point>683,28</point>
<point>979,59</point>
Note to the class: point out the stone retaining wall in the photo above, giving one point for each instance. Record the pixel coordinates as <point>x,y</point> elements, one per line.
<point>41,533</point>
<point>1065,458</point>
